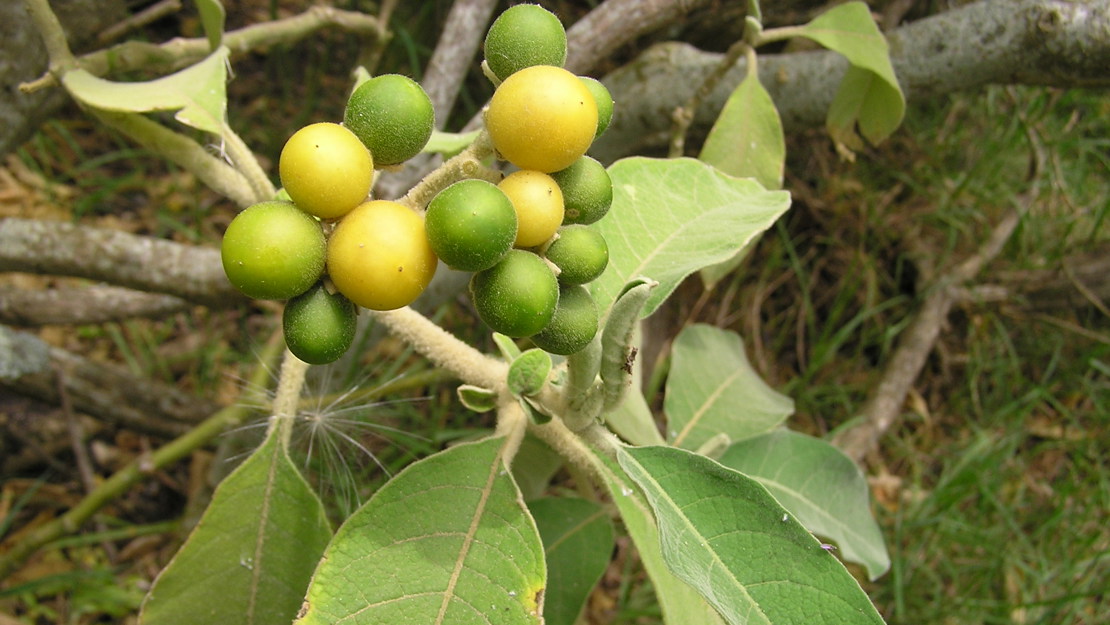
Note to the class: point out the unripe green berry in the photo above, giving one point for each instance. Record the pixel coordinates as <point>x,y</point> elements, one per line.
<point>392,116</point>
<point>319,326</point>
<point>574,324</point>
<point>587,191</point>
<point>604,102</point>
<point>517,296</point>
<point>471,225</point>
<point>580,253</point>
<point>523,36</point>
<point>273,250</point>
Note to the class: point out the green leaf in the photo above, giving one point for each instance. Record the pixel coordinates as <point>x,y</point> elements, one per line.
<point>820,486</point>
<point>725,535</point>
<point>446,541</point>
<point>869,93</point>
<point>681,604</point>
<point>528,372</point>
<point>578,542</point>
<point>671,217</point>
<point>477,398</point>
<point>449,143</point>
<point>212,20</point>
<point>198,93</point>
<point>712,388</point>
<point>507,346</point>
<point>747,140</point>
<point>533,467</point>
<point>250,558</point>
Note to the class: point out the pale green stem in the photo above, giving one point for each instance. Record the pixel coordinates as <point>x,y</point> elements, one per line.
<point>779,34</point>
<point>182,150</point>
<point>247,164</point>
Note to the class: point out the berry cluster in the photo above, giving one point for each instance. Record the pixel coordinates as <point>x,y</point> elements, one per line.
<point>373,254</point>
<point>542,119</point>
<point>329,250</point>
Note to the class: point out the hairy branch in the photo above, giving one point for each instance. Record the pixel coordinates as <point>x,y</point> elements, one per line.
<point>1034,42</point>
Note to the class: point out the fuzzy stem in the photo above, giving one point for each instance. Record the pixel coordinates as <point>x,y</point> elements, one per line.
<point>465,164</point>
<point>443,349</point>
<point>512,423</point>
<point>285,404</point>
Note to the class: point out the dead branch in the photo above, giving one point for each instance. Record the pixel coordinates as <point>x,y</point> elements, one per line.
<point>83,305</point>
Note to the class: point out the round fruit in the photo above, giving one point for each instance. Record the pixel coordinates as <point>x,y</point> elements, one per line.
<point>587,191</point>
<point>538,202</point>
<point>379,257</point>
<point>273,250</point>
<point>574,324</point>
<point>523,36</point>
<point>392,115</point>
<point>580,253</point>
<point>517,296</point>
<point>542,118</point>
<point>471,225</point>
<point>325,170</point>
<point>319,326</point>
<point>604,102</point>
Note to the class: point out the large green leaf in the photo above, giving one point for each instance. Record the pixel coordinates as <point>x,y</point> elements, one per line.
<point>250,558</point>
<point>725,535</point>
<point>820,486</point>
<point>578,542</point>
<point>680,603</point>
<point>747,139</point>
<point>446,541</point>
<point>713,389</point>
<point>198,93</point>
<point>869,94</point>
<point>671,217</point>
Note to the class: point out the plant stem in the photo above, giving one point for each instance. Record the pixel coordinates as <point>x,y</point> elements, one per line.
<point>465,164</point>
<point>284,409</point>
<point>248,165</point>
<point>443,349</point>
<point>180,149</point>
<point>53,36</point>
<point>15,554</point>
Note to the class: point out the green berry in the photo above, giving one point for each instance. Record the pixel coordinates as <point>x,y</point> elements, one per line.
<point>392,116</point>
<point>587,191</point>
<point>523,36</point>
<point>574,324</point>
<point>517,296</point>
<point>319,326</point>
<point>471,225</point>
<point>580,253</point>
<point>604,102</point>
<point>273,250</point>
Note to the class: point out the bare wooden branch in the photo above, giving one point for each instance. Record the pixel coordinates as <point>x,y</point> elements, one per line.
<point>455,53</point>
<point>109,393</point>
<point>83,305</point>
<point>143,263</point>
<point>1033,42</point>
<point>616,22</point>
